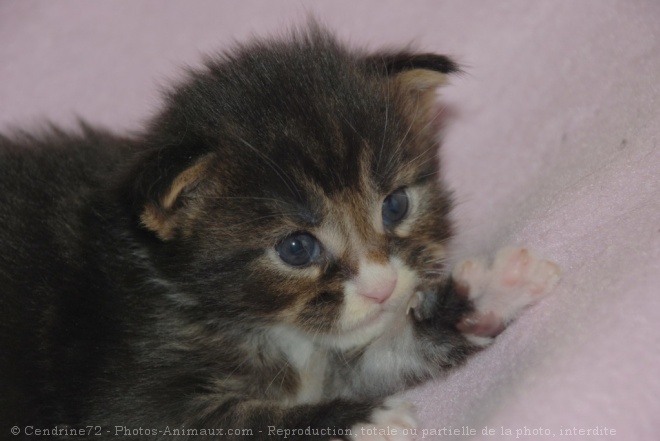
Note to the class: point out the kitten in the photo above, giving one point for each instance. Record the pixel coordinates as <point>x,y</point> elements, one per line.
<point>268,255</point>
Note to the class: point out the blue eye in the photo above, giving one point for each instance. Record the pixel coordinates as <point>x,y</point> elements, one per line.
<point>299,249</point>
<point>395,207</point>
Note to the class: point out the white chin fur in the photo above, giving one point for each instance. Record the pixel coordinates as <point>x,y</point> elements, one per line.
<point>362,320</point>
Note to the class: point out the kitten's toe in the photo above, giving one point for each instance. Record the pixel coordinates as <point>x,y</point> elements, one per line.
<point>393,421</point>
<point>526,274</point>
<point>545,278</point>
<point>481,324</point>
<point>516,279</point>
<point>470,277</point>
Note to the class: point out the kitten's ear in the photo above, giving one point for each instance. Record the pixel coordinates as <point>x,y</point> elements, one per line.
<point>419,74</point>
<point>392,63</point>
<point>164,188</point>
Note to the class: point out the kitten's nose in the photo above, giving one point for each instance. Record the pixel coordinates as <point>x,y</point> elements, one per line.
<point>376,282</point>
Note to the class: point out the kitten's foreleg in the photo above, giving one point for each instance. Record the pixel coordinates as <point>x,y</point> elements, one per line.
<point>499,293</point>
<point>348,420</point>
<point>477,302</point>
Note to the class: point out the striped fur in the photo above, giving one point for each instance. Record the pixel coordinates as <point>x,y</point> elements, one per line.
<point>147,281</point>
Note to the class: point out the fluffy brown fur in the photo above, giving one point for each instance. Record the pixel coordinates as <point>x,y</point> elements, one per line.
<point>156,281</point>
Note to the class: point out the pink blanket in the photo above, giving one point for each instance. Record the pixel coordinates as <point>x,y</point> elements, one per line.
<point>553,141</point>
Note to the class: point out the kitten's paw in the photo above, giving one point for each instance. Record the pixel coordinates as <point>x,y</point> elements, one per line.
<point>393,421</point>
<point>516,279</point>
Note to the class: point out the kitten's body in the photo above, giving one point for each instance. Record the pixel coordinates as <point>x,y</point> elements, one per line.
<point>153,281</point>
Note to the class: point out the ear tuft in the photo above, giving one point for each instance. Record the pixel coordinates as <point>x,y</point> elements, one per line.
<point>418,74</point>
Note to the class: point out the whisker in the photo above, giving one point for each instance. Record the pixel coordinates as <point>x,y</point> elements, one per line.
<point>318,330</point>
<point>286,365</point>
<point>254,198</point>
<point>261,217</point>
<point>275,168</point>
<point>428,174</point>
<point>411,162</point>
<point>397,150</point>
<point>351,126</point>
<point>431,121</point>
<point>236,368</point>
<point>387,102</point>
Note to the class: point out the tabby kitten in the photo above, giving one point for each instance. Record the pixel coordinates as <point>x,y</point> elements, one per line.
<point>268,255</point>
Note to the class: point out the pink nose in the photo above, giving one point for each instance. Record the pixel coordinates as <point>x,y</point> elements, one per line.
<point>378,290</point>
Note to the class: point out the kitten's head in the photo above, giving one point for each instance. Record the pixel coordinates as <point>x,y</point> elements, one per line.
<point>296,182</point>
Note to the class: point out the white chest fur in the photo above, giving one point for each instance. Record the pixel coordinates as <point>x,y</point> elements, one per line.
<point>306,358</point>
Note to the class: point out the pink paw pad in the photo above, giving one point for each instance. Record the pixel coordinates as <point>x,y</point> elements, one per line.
<point>516,279</point>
